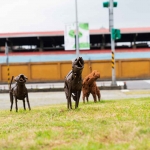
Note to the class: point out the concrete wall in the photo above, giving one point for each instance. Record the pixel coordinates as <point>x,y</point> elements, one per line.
<point>56,71</point>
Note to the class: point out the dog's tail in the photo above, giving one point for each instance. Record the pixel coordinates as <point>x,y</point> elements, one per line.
<point>11,83</point>
<point>90,67</point>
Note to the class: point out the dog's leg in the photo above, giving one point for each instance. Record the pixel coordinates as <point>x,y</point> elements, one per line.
<point>11,101</point>
<point>94,93</point>
<point>78,98</point>
<point>69,99</point>
<point>16,104</point>
<point>76,102</point>
<point>98,94</point>
<point>94,97</point>
<point>87,97</point>
<point>28,102</point>
<point>24,105</point>
<point>79,93</point>
<point>68,102</point>
<point>83,97</point>
<point>68,95</point>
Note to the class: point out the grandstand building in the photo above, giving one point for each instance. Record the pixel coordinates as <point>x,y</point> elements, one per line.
<point>54,40</point>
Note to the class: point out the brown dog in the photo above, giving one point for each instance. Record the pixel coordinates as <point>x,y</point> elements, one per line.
<point>89,86</point>
<point>19,91</point>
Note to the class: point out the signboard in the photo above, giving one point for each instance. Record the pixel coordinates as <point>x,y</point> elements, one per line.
<point>70,34</point>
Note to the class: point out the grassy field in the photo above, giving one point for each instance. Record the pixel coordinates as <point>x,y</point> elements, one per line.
<point>106,125</point>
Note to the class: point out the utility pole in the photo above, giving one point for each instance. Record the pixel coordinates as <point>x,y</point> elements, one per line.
<point>77,30</point>
<point>115,34</point>
<point>111,25</point>
<point>7,61</point>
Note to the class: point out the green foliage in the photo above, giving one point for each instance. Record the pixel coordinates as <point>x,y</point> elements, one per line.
<point>113,125</point>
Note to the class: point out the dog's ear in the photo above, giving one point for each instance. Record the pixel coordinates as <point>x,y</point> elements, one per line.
<point>87,79</point>
<point>16,78</point>
<point>25,77</point>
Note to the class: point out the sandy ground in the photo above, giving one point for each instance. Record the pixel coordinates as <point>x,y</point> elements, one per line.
<point>48,98</point>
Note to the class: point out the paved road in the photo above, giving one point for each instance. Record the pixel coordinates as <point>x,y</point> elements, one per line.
<point>136,88</point>
<point>138,84</point>
<point>47,98</point>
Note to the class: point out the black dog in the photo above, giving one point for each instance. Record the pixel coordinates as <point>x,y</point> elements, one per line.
<point>73,82</point>
<point>19,91</point>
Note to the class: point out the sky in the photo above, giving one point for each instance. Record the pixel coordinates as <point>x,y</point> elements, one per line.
<point>53,15</point>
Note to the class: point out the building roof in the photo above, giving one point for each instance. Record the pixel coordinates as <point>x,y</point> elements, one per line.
<point>61,33</point>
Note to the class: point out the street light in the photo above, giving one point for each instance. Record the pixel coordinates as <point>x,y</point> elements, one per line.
<point>115,34</point>
<point>77,30</point>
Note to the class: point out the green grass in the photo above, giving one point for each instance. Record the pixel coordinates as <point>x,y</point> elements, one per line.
<point>106,125</point>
